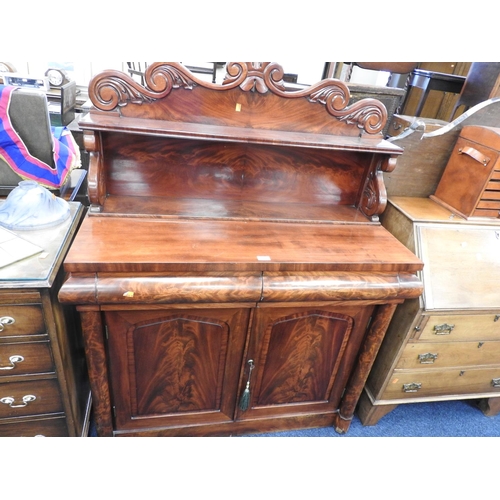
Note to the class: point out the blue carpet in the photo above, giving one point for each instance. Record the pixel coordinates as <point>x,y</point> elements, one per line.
<point>438,419</point>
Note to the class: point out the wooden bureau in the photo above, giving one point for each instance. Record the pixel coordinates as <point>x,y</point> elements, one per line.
<point>446,344</point>
<point>44,388</point>
<point>232,275</point>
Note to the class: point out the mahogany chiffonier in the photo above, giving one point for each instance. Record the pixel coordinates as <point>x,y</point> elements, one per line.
<point>232,275</point>
<point>44,387</point>
<point>444,345</point>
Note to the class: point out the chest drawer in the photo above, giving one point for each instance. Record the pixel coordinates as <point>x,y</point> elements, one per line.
<point>25,358</point>
<point>426,355</point>
<point>431,383</point>
<point>461,327</point>
<point>48,427</point>
<point>21,320</point>
<point>30,398</point>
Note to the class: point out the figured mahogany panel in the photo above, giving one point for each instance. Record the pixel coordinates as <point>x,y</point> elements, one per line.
<point>302,357</point>
<point>177,168</point>
<point>178,365</point>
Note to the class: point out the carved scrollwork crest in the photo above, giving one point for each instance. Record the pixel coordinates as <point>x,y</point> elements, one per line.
<point>111,89</point>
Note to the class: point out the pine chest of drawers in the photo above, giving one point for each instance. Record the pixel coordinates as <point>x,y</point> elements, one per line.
<point>44,388</point>
<point>446,344</point>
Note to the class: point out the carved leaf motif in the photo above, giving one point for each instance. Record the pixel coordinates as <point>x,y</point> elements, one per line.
<point>110,89</point>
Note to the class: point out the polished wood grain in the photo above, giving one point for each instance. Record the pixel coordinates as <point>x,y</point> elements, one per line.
<point>465,327</point>
<point>306,347</point>
<point>175,366</point>
<point>363,366</point>
<point>106,244</point>
<point>449,354</point>
<point>28,320</point>
<point>47,398</point>
<point>95,353</point>
<point>150,289</point>
<point>36,358</point>
<point>302,356</point>
<point>458,383</point>
<point>35,427</point>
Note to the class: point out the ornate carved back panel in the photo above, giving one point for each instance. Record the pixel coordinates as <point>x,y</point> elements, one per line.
<point>247,140</point>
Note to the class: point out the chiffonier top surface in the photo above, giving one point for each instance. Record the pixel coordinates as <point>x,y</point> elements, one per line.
<point>156,245</point>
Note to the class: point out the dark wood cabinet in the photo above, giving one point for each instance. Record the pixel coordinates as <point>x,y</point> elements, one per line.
<point>232,275</point>
<point>44,387</point>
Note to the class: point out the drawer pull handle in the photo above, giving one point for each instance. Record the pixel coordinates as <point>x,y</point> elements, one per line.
<point>443,329</point>
<point>13,360</point>
<point>6,320</point>
<point>474,154</point>
<point>413,387</point>
<point>10,401</point>
<point>495,382</point>
<point>428,358</point>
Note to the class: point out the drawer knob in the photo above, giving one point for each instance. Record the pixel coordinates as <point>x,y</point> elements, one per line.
<point>10,401</point>
<point>413,387</point>
<point>6,320</point>
<point>13,360</point>
<point>443,329</point>
<point>495,382</point>
<point>428,358</point>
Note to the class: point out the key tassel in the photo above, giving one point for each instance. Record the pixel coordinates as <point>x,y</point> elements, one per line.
<point>245,397</point>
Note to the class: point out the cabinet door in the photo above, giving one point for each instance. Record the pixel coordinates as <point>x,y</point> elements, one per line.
<point>175,367</point>
<point>301,358</point>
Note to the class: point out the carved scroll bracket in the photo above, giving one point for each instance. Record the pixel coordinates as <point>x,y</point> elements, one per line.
<point>374,197</point>
<point>96,178</point>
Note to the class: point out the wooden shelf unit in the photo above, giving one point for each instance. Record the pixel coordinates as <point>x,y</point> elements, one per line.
<point>233,238</point>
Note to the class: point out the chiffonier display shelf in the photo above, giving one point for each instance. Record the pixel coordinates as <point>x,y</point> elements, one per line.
<point>232,275</point>
<point>44,388</point>
<point>446,344</point>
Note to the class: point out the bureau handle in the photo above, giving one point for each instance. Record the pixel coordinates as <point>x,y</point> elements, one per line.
<point>9,400</point>
<point>495,382</point>
<point>474,154</point>
<point>6,320</point>
<point>13,360</point>
<point>245,397</point>
<point>413,387</point>
<point>428,358</point>
<point>443,329</point>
